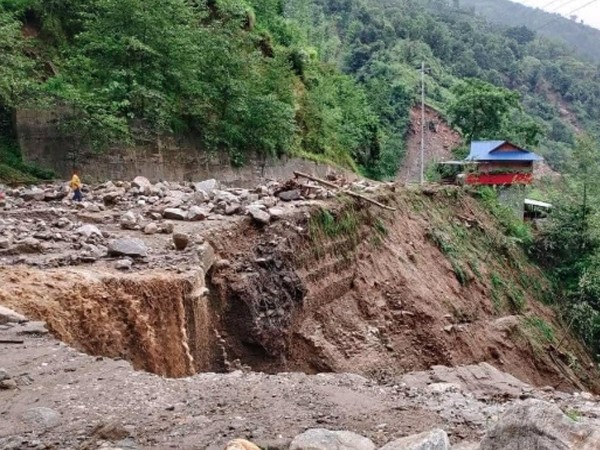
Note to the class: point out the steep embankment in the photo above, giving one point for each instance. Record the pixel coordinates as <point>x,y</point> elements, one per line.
<point>436,282</point>
<point>331,286</point>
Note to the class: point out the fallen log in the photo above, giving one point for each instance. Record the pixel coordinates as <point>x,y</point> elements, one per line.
<point>344,191</point>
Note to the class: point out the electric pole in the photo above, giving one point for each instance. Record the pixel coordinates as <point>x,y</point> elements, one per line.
<point>422,122</point>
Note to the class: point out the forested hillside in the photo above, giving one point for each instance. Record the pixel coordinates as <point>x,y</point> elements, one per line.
<point>580,37</point>
<point>329,80</point>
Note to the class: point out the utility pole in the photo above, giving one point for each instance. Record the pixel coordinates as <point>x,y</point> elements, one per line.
<point>422,122</point>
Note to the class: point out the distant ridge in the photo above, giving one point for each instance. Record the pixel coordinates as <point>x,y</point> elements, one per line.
<point>581,38</point>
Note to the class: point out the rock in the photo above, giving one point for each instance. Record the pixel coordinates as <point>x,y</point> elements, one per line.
<point>288,196</point>
<point>466,446</point>
<point>4,243</point>
<point>151,228</point>
<point>207,257</point>
<point>8,384</point>
<point>129,221</point>
<point>208,186</point>
<point>174,214</point>
<point>199,197</point>
<point>260,216</point>
<point>241,444</point>
<point>167,228</point>
<point>36,328</point>
<point>51,196</point>
<point>431,440</point>
<point>196,213</point>
<point>232,209</point>
<point>9,316</point>
<point>34,193</point>
<point>4,375</point>
<point>181,241</point>
<point>276,213</point>
<point>142,183</point>
<point>89,230</point>
<point>127,247</point>
<point>534,424</point>
<point>321,439</point>
<point>124,264</point>
<point>29,245</point>
<point>41,416</point>
<point>64,223</point>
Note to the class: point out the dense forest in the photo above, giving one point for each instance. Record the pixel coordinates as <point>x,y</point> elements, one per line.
<point>328,80</point>
<point>572,31</point>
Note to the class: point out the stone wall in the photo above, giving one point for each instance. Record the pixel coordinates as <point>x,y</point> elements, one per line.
<point>46,145</point>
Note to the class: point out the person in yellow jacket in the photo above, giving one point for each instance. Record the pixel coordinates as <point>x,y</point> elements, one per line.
<point>75,185</point>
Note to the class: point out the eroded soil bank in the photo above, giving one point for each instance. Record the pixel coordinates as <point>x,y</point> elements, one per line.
<point>327,286</point>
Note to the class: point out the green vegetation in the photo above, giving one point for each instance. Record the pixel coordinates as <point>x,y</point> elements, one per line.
<point>568,246</point>
<point>331,81</point>
<point>542,330</point>
<point>582,38</point>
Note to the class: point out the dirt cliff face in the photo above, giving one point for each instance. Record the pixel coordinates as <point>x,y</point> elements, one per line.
<point>386,293</point>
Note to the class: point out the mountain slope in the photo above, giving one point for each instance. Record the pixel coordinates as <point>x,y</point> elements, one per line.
<point>579,37</point>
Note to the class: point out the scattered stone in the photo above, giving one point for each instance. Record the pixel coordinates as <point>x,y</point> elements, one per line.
<point>196,213</point>
<point>89,230</point>
<point>276,213</point>
<point>241,444</point>
<point>321,439</point>
<point>232,209</point>
<point>181,241</point>
<point>8,384</point>
<point>127,247</point>
<point>151,228</point>
<point>199,197</point>
<point>289,196</point>
<point>174,214</point>
<point>431,440</point>
<point>259,215</point>
<point>129,221</point>
<point>142,183</point>
<point>41,416</point>
<point>208,186</point>
<point>535,424</point>
<point>34,193</point>
<point>4,243</point>
<point>9,316</point>
<point>124,264</point>
<point>29,245</point>
<point>4,375</point>
<point>167,228</point>
<point>207,257</point>
<point>36,328</point>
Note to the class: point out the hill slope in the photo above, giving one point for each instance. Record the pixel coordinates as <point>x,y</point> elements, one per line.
<point>582,38</point>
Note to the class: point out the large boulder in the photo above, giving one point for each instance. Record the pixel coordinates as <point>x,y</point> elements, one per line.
<point>127,247</point>
<point>259,215</point>
<point>142,183</point>
<point>207,186</point>
<point>241,444</point>
<point>196,213</point>
<point>174,214</point>
<point>539,425</point>
<point>322,439</point>
<point>431,440</point>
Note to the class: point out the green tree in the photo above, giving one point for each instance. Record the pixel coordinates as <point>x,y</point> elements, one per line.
<point>480,109</point>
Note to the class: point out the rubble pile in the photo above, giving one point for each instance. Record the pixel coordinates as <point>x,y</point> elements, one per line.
<point>118,219</point>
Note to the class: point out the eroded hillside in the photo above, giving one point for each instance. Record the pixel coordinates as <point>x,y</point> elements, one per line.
<point>320,285</point>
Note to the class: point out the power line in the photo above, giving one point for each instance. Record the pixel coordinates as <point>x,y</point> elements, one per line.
<point>568,14</point>
<point>562,5</point>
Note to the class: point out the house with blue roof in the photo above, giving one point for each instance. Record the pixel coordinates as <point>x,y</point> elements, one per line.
<point>500,163</point>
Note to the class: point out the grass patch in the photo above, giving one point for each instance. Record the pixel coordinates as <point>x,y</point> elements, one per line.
<point>504,293</point>
<point>573,414</point>
<point>542,331</point>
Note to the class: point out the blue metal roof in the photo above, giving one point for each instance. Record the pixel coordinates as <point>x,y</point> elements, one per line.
<point>484,151</point>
